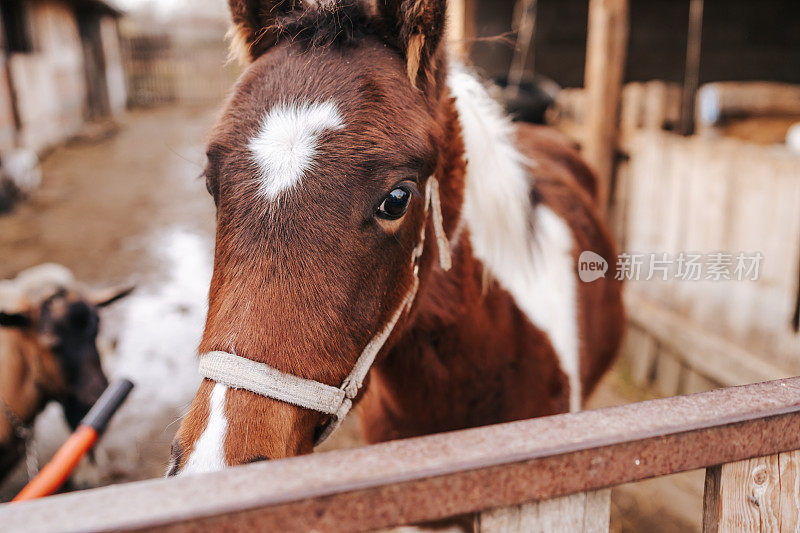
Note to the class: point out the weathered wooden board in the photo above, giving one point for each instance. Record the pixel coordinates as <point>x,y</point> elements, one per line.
<point>460,26</point>
<point>721,100</point>
<point>789,464</point>
<point>761,494</point>
<point>606,50</point>
<point>709,355</point>
<point>669,374</point>
<point>440,476</point>
<point>641,350</point>
<point>694,383</point>
<point>709,196</point>
<point>587,512</point>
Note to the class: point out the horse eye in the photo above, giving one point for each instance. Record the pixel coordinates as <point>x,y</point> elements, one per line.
<point>395,205</point>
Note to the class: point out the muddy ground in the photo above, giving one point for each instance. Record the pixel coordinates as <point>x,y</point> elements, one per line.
<point>132,207</point>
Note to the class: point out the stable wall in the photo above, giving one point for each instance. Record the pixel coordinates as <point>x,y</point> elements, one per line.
<point>742,39</point>
<point>707,195</point>
<point>115,72</point>
<point>8,126</point>
<point>50,82</point>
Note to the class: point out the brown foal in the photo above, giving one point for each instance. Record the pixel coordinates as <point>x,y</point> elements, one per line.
<point>324,167</point>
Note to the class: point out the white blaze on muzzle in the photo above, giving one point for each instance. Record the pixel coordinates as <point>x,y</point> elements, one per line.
<point>241,373</point>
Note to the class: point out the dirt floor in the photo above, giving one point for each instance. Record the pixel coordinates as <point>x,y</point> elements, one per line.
<point>129,208</point>
<point>101,202</point>
<point>132,207</point>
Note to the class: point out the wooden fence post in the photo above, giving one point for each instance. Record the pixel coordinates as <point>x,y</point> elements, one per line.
<point>605,69</point>
<point>461,26</point>
<point>586,512</point>
<point>761,494</point>
<point>691,77</point>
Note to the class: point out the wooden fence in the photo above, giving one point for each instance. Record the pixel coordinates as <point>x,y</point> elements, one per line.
<point>547,474</point>
<point>162,69</point>
<point>732,189</point>
<point>652,105</point>
<point>708,195</point>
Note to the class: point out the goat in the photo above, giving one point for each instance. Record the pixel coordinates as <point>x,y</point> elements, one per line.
<point>48,328</point>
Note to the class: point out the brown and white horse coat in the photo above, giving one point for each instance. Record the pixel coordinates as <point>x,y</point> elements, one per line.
<point>308,269</point>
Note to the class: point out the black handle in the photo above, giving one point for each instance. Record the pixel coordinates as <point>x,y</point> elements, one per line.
<point>108,404</point>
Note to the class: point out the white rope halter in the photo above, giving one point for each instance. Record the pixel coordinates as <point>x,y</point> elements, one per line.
<point>241,373</point>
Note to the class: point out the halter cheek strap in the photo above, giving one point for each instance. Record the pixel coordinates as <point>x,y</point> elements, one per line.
<point>241,373</point>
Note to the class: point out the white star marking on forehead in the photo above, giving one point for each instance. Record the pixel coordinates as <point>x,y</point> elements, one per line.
<point>288,141</point>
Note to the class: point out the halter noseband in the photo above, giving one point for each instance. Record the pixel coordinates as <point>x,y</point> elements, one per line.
<point>241,373</point>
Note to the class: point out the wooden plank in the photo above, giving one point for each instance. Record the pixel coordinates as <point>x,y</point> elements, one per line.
<point>709,355</point>
<point>586,512</point>
<point>618,211</point>
<point>440,476</point>
<point>796,318</point>
<point>605,68</point>
<point>749,99</point>
<point>525,38</point>
<point>726,195</point>
<point>512,519</point>
<point>741,496</point>
<point>711,499</point>
<point>790,492</point>
<point>760,494</point>
<point>781,266</point>
<point>755,224</point>
<point>640,189</point>
<point>632,107</point>
<point>691,76</point>
<point>560,515</point>
<point>640,349</point>
<point>597,517</point>
<point>460,27</point>
<point>655,105</point>
<point>668,218</point>
<point>694,383</point>
<point>669,373</point>
<point>755,495</point>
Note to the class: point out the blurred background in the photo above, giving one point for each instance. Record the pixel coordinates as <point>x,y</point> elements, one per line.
<point>104,108</point>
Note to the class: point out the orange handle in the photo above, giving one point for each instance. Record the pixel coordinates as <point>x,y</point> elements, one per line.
<point>56,472</point>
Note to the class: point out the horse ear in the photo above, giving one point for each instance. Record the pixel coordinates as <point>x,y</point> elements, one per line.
<point>417,28</point>
<point>253,31</point>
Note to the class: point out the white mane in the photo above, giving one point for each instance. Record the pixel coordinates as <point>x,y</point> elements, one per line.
<point>530,252</point>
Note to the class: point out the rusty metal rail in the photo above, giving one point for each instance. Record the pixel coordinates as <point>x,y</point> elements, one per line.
<point>445,475</point>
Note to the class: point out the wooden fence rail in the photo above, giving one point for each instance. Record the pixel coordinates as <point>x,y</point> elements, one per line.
<point>472,471</point>
<point>161,69</point>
